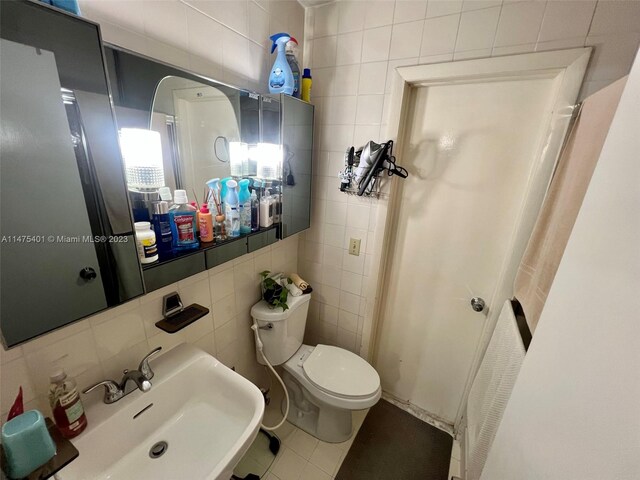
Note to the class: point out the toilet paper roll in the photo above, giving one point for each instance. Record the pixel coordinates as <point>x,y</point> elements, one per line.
<point>299,282</point>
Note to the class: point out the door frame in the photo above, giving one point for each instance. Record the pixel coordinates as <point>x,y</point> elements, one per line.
<point>567,68</point>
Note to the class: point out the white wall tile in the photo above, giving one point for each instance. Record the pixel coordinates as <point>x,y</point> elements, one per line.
<point>231,13</point>
<point>468,5</point>
<point>340,110</point>
<point>333,253</point>
<point>560,44</point>
<point>439,35</point>
<point>409,10</point>
<point>372,78</point>
<point>378,13</point>
<point>351,282</point>
<point>353,263</point>
<point>336,213</point>
<point>166,21</point>
<point>349,76</point>
<point>224,310</point>
<point>566,19</point>
<point>326,20</point>
<point>369,110</point>
<point>258,25</point>
<point>375,44</point>
<point>512,50</point>
<point>225,335</point>
<point>204,36</point>
<point>438,8</point>
<point>615,17</point>
<point>324,52</point>
<point>128,14</point>
<point>519,23</point>
<point>14,375</point>
<point>350,16</point>
<point>333,235</point>
<point>349,48</point>
<point>477,29</point>
<point>405,40</point>
<point>118,334</point>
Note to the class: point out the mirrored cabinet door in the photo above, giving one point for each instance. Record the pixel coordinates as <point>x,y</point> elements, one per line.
<point>297,148</point>
<point>67,243</point>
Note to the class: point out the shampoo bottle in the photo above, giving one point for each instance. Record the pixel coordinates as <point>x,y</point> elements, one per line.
<point>281,76</point>
<point>183,223</point>
<point>205,222</point>
<point>244,206</point>
<point>231,209</point>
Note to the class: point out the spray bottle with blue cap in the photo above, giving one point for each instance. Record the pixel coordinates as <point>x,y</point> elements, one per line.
<point>281,78</point>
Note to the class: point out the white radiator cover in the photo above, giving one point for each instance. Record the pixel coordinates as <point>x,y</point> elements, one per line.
<point>491,390</point>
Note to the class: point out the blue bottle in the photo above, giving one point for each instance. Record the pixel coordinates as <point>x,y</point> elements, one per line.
<point>223,192</point>
<point>281,76</point>
<point>244,206</point>
<point>183,223</point>
<point>232,213</point>
<point>162,229</point>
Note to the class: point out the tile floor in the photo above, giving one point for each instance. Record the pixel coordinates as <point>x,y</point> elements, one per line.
<point>304,457</point>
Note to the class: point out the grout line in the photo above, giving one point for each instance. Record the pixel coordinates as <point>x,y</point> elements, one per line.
<point>223,24</point>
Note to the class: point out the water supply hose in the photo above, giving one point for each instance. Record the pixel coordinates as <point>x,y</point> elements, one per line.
<point>260,347</point>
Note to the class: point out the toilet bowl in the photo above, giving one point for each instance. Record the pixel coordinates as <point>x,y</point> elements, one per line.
<point>325,383</point>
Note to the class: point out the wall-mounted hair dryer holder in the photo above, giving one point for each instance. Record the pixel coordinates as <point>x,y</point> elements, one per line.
<point>364,168</point>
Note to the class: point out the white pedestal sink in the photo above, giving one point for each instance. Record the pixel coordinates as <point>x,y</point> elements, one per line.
<point>207,415</point>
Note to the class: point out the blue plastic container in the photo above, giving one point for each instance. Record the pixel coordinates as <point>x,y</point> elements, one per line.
<point>27,443</point>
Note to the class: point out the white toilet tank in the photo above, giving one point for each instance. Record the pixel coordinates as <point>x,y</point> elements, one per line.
<point>284,337</point>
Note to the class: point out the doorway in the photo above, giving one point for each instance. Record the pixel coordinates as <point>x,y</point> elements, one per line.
<point>479,141</point>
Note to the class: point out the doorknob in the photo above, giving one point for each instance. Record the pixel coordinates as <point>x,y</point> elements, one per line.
<point>477,304</point>
<point>88,273</point>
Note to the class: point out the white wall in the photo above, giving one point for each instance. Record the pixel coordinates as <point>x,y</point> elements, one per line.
<point>226,40</point>
<point>352,46</point>
<point>574,411</point>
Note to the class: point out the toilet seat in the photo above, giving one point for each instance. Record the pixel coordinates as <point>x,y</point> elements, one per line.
<point>340,372</point>
<point>320,391</point>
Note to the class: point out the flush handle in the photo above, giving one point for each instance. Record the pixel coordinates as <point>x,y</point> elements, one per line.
<point>477,304</point>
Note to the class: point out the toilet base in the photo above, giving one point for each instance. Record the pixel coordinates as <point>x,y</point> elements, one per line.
<point>325,422</point>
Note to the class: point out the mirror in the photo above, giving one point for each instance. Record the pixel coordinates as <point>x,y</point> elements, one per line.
<point>181,130</point>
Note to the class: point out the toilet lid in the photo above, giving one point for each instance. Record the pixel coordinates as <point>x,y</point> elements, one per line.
<point>339,371</point>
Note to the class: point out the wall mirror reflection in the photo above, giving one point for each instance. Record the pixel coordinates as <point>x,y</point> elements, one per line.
<point>181,132</point>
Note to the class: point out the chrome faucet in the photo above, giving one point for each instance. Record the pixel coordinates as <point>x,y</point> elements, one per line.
<point>141,377</point>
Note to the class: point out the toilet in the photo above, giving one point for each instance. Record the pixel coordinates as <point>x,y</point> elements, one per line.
<point>325,383</point>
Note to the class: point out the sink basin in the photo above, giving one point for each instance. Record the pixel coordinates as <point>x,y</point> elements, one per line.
<point>206,414</point>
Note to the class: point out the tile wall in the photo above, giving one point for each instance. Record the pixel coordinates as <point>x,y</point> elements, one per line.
<point>353,47</point>
<point>228,41</point>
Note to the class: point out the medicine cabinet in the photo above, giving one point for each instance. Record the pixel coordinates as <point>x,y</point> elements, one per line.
<point>67,210</point>
<point>68,248</point>
<point>207,130</point>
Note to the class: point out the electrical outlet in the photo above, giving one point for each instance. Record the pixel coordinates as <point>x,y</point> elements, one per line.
<point>354,247</point>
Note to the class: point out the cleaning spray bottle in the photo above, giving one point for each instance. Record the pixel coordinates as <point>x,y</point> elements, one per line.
<point>244,206</point>
<point>281,77</point>
<point>291,50</point>
<point>231,209</point>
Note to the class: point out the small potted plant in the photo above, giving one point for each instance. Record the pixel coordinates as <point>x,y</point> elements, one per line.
<point>272,292</point>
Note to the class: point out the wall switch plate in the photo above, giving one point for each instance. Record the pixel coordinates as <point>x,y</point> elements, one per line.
<point>354,246</point>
